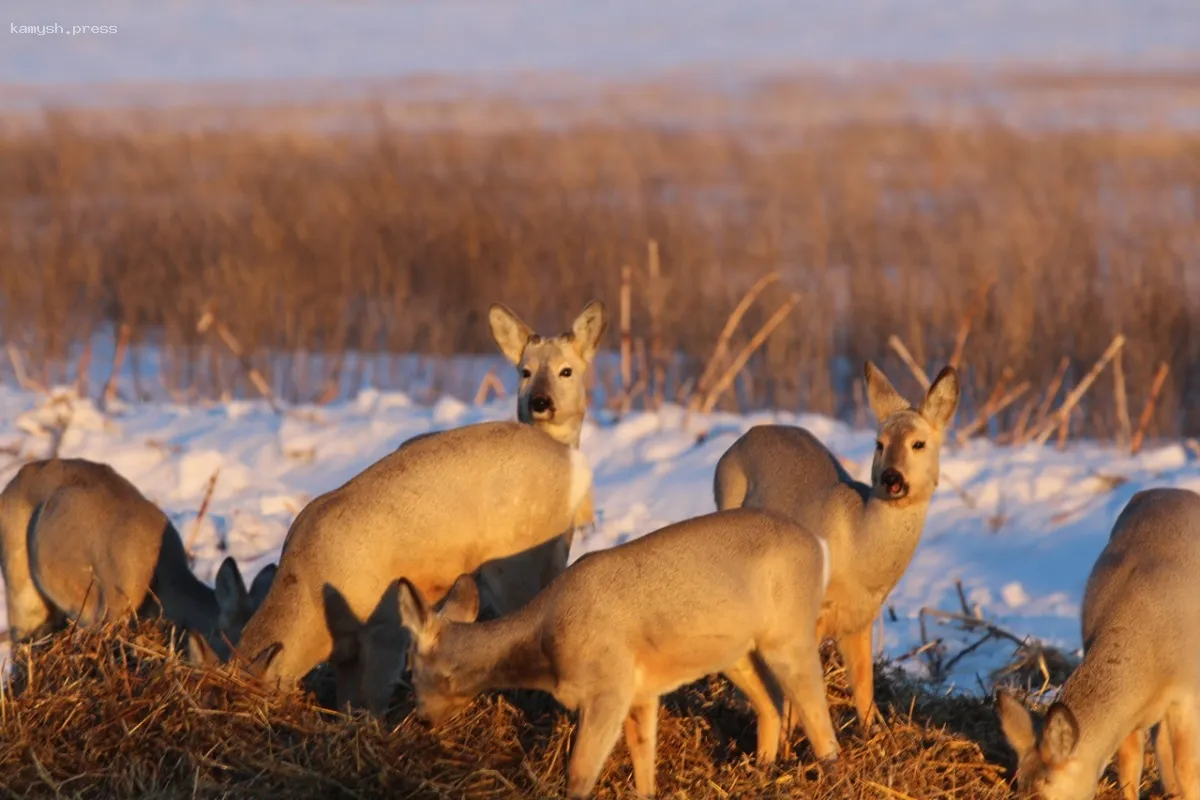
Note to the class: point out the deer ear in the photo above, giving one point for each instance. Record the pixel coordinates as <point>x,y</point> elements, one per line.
<point>200,652</point>
<point>261,585</point>
<point>1016,724</point>
<point>1060,734</point>
<point>510,333</point>
<point>259,664</point>
<point>588,329</point>
<point>941,401</point>
<point>415,615</point>
<point>462,602</point>
<point>881,395</point>
<point>230,590</point>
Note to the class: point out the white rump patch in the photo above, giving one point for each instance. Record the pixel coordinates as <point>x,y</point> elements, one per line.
<point>826,567</point>
<point>581,479</point>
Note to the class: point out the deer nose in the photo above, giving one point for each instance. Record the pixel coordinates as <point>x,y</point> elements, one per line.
<point>540,404</point>
<point>893,481</point>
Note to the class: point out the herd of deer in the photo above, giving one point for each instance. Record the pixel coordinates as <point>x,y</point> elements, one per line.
<point>393,570</point>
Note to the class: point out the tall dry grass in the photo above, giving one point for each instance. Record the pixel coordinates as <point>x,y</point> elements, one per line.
<point>379,238</point>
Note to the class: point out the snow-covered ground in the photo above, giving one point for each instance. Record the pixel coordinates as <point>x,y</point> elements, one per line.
<point>1020,527</point>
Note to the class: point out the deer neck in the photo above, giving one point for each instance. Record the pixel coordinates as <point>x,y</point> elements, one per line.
<point>1106,694</point>
<point>884,541</point>
<point>567,433</point>
<point>505,653</point>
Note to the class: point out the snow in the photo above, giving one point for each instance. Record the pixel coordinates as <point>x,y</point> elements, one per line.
<point>1020,527</point>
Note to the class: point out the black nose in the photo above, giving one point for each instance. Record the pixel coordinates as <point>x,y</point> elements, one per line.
<point>892,480</point>
<point>539,404</point>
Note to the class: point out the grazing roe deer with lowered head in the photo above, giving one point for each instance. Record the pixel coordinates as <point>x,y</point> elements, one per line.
<point>872,531</point>
<point>1141,664</point>
<point>624,626</point>
<point>80,542</point>
<point>439,506</point>
<point>552,396</point>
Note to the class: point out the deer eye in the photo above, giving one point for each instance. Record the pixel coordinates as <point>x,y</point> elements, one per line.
<point>918,445</point>
<point>565,372</point>
<point>878,446</point>
<point>526,374</point>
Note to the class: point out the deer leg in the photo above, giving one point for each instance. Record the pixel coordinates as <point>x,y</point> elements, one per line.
<point>860,669</point>
<point>641,737</point>
<point>1131,756</point>
<point>745,677</point>
<point>28,612</point>
<point>600,719</point>
<point>1166,759</point>
<point>798,670</point>
<point>1182,723</point>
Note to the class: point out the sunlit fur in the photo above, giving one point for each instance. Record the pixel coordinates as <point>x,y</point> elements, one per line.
<point>79,542</point>
<point>1141,664</point>
<point>872,530</point>
<point>552,371</point>
<point>728,592</point>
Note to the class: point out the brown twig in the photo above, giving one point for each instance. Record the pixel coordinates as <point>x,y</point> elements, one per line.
<point>1051,392</point>
<point>910,362</point>
<point>739,361</point>
<point>964,325</point>
<point>81,370</point>
<point>1064,430</point>
<point>626,301</point>
<point>18,364</point>
<point>489,385</point>
<point>960,340</point>
<point>656,296</point>
<point>1156,387</point>
<point>971,622</point>
<point>109,393</point>
<point>962,598</point>
<point>991,410</point>
<point>722,347</point>
<point>209,320</point>
<point>1062,416</point>
<point>195,531</point>
<point>1006,375</point>
<point>1018,431</point>
<point>1121,400</point>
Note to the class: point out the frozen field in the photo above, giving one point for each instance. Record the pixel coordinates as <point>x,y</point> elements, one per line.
<point>1019,527</point>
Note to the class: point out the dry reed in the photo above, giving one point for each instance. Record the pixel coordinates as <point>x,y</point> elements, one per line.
<point>375,239</point>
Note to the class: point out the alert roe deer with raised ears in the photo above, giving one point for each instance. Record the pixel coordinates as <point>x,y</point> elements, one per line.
<point>439,506</point>
<point>80,542</point>
<point>626,625</point>
<point>872,531</point>
<point>1141,664</point>
<point>552,396</point>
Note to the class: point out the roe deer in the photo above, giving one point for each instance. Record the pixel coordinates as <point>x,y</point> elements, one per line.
<point>872,530</point>
<point>1141,664</point>
<point>439,506</point>
<point>624,626</point>
<point>78,541</point>
<point>551,395</point>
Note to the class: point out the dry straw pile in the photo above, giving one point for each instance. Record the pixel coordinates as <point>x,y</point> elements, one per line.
<point>113,712</point>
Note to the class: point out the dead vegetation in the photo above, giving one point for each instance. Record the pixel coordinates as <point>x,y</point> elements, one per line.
<point>112,712</point>
<point>1001,248</point>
